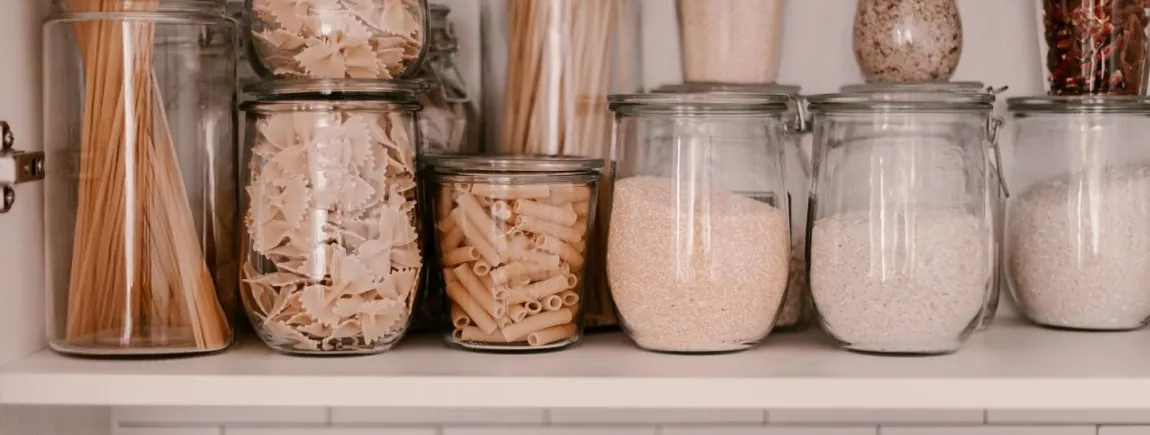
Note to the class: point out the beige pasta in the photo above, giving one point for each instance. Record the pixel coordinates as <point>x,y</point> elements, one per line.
<point>459,256</point>
<point>505,274</point>
<point>452,239</point>
<point>517,313</point>
<point>572,280</point>
<point>570,298</point>
<point>479,292</point>
<point>480,267</point>
<point>533,307</point>
<point>459,318</point>
<point>517,191</point>
<point>542,289</point>
<point>582,208</point>
<point>545,260</point>
<point>580,246</point>
<point>477,239</point>
<point>518,296</point>
<point>485,322</point>
<point>443,201</point>
<point>503,322</point>
<point>569,194</point>
<point>551,335</point>
<point>561,215</point>
<point>539,226</point>
<point>449,276</point>
<point>537,322</point>
<point>461,187</point>
<point>563,250</point>
<point>473,334</point>
<point>446,224</point>
<point>552,303</point>
<point>501,210</point>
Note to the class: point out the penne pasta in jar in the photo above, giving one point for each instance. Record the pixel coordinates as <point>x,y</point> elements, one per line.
<point>512,247</point>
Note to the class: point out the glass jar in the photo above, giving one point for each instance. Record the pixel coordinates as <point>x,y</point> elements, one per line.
<point>449,121</point>
<point>1078,223</point>
<point>730,41</point>
<point>332,251</point>
<point>548,68</point>
<point>364,39</point>
<point>907,40</point>
<point>796,311</point>
<point>513,247</point>
<point>140,203</point>
<point>699,243</point>
<point>1094,47</point>
<point>901,244</point>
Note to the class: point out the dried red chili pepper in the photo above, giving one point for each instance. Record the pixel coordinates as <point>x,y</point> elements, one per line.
<point>1097,46</point>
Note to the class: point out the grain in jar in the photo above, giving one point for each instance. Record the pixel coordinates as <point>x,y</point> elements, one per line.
<point>899,41</point>
<point>512,237</point>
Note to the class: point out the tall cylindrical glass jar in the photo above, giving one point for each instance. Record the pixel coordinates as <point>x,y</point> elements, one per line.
<point>1078,220</point>
<point>796,311</point>
<point>549,66</point>
<point>1095,47</point>
<point>140,205</point>
<point>900,41</point>
<point>332,252</point>
<point>699,242</point>
<point>730,41</point>
<point>449,121</point>
<point>901,244</point>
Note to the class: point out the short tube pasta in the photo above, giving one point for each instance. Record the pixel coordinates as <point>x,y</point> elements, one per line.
<point>513,257</point>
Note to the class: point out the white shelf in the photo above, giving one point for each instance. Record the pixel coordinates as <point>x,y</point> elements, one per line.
<point>1011,366</point>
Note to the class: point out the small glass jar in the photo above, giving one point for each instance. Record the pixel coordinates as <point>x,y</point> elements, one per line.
<point>796,311</point>
<point>332,251</point>
<point>512,235</point>
<point>140,199</point>
<point>901,244</point>
<point>363,39</point>
<point>449,121</point>
<point>1094,47</point>
<point>1078,222</point>
<point>907,40</point>
<point>730,41</point>
<point>697,255</point>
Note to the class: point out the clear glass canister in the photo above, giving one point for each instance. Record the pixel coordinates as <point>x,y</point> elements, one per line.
<point>1094,47</point>
<point>513,234</point>
<point>332,250</point>
<point>796,311</point>
<point>699,242</point>
<point>361,39</point>
<point>731,41</point>
<point>907,40</point>
<point>1078,222</point>
<point>449,121</point>
<point>901,244</point>
<point>548,67</point>
<point>140,198</point>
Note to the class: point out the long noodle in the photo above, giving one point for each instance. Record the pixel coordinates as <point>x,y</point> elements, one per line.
<point>139,279</point>
<point>563,60</point>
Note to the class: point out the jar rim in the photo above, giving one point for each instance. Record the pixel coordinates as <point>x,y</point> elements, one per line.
<point>720,88</point>
<point>964,86</point>
<point>896,101</point>
<point>692,103</point>
<point>1080,104</point>
<point>146,6</point>
<point>277,88</point>
<point>515,164</point>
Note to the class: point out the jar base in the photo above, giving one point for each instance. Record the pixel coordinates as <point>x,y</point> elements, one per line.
<point>715,349</point>
<point>93,351</point>
<point>1082,328</point>
<point>509,347</point>
<point>886,351</point>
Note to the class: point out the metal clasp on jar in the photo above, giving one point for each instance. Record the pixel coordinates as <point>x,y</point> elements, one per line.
<point>993,128</point>
<point>16,167</point>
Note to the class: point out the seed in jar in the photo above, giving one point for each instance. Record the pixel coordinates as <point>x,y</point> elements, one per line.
<point>705,279</point>
<point>528,292</point>
<point>1079,250</point>
<point>909,283</point>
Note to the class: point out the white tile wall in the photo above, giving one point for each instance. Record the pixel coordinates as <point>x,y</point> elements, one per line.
<point>1124,430</point>
<point>168,431</point>
<point>1111,416</point>
<point>857,416</point>
<point>600,430</point>
<point>203,416</point>
<point>657,416</point>
<point>331,431</point>
<point>716,430</point>
<point>1001,430</point>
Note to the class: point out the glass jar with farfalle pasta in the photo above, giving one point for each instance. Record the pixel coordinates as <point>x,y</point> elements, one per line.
<point>336,39</point>
<point>512,238</point>
<point>332,253</point>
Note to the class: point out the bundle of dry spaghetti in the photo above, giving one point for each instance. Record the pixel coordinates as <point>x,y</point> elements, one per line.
<point>139,280</point>
<point>564,58</point>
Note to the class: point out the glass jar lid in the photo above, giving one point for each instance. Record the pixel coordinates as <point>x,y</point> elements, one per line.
<point>140,6</point>
<point>719,88</point>
<point>513,164</point>
<point>903,101</point>
<point>1081,104</point>
<point>916,87</point>
<point>328,88</point>
<point>699,104</point>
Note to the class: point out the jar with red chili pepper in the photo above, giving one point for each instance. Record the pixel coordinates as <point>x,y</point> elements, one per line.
<point>1095,47</point>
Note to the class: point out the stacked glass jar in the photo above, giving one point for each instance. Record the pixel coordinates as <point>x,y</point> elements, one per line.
<point>333,257</point>
<point>901,241</point>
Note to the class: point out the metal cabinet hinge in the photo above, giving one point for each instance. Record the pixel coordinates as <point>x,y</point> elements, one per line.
<point>16,167</point>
